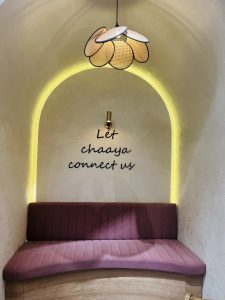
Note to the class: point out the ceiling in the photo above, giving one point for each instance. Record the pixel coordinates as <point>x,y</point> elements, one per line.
<point>43,37</point>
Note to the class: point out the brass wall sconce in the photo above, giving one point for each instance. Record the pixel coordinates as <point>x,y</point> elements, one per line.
<point>108,122</point>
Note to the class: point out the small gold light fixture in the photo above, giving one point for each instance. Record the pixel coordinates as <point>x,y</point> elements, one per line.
<point>117,46</point>
<point>108,122</point>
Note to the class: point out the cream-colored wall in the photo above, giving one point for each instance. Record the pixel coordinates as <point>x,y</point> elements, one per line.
<point>12,194</point>
<point>202,204</point>
<point>40,38</point>
<point>13,166</point>
<point>71,119</point>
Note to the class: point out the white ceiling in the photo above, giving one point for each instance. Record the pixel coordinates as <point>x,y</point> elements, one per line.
<point>42,37</point>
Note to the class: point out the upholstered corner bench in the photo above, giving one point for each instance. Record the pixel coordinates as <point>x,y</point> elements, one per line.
<point>105,251</point>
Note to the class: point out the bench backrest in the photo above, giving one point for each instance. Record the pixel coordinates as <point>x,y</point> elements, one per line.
<point>100,221</point>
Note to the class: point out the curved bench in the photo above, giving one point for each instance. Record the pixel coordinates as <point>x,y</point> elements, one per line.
<point>69,242</point>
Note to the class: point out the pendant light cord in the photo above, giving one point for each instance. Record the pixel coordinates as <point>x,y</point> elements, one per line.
<point>117,13</point>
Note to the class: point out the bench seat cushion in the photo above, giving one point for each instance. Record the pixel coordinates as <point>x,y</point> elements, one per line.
<point>39,259</point>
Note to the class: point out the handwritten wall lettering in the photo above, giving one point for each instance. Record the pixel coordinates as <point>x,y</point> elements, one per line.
<point>101,165</point>
<point>126,166</point>
<point>107,135</point>
<point>117,151</point>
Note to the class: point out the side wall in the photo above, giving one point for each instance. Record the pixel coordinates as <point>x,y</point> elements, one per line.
<point>13,178</point>
<point>202,205</point>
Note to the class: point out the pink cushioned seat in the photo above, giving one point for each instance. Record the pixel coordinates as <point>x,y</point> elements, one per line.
<point>38,259</point>
<point>66,237</point>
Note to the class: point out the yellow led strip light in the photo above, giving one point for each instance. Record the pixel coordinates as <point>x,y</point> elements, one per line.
<point>75,69</point>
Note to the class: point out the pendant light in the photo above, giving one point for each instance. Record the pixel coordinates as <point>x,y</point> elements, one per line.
<point>118,46</point>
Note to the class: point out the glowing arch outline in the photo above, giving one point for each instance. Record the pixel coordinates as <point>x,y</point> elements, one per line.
<point>75,69</point>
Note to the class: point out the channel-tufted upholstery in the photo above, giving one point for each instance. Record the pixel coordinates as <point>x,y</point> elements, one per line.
<point>66,237</point>
<point>101,221</point>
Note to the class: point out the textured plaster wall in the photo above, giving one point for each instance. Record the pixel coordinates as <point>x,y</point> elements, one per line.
<point>40,38</point>
<point>12,194</point>
<point>70,120</point>
<point>202,207</point>
<point>14,139</point>
<point>13,166</point>
<point>202,204</point>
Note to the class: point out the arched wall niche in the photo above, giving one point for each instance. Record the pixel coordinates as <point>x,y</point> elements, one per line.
<point>70,118</point>
<point>182,55</point>
<point>43,38</point>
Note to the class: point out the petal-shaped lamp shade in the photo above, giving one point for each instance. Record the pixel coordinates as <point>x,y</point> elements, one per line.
<point>136,36</point>
<point>123,55</point>
<point>91,46</point>
<point>141,53</point>
<point>103,56</point>
<point>117,46</point>
<point>111,34</point>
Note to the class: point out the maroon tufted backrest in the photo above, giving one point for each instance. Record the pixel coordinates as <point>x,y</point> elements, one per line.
<point>49,221</point>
